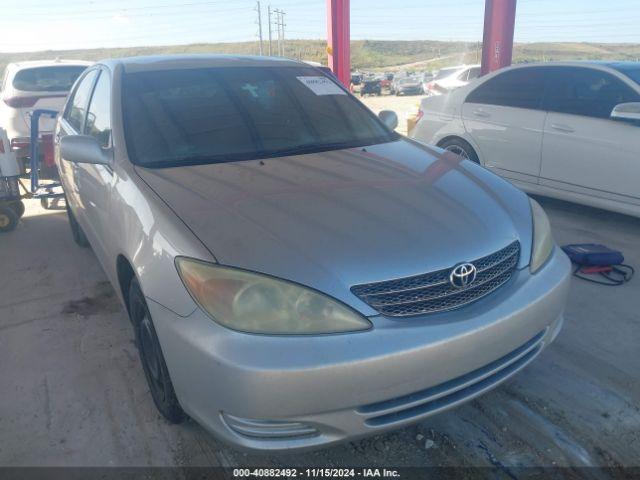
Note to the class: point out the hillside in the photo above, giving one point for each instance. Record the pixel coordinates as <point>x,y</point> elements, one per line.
<point>366,54</point>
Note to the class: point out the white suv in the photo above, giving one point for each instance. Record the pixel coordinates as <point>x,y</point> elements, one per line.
<point>569,130</point>
<point>27,86</point>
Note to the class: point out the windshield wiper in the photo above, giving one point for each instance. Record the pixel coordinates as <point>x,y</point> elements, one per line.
<point>302,149</point>
<point>257,155</point>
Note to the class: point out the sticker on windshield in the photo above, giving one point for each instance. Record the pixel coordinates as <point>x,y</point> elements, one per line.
<point>321,86</point>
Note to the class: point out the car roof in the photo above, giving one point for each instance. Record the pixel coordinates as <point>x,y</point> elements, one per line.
<point>459,67</point>
<point>172,62</point>
<point>47,63</point>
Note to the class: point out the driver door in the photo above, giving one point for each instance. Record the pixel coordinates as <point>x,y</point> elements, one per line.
<point>72,123</point>
<point>95,181</point>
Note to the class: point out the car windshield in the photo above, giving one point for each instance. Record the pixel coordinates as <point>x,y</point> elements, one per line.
<point>633,72</point>
<point>214,115</point>
<point>47,79</point>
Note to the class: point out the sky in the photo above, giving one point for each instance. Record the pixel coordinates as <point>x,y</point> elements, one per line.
<point>31,25</point>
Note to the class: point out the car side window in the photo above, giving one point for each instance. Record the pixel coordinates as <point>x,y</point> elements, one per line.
<point>98,122</point>
<point>586,92</point>
<point>521,88</point>
<point>77,108</point>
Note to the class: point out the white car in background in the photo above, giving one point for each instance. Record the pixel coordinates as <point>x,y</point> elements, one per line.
<point>450,78</point>
<point>27,86</point>
<point>568,130</point>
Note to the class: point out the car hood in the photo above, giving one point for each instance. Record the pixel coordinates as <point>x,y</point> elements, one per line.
<point>336,219</point>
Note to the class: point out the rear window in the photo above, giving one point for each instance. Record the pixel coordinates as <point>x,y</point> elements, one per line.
<point>47,79</point>
<point>633,72</point>
<point>213,115</point>
<point>445,72</point>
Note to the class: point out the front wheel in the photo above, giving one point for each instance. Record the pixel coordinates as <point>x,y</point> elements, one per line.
<point>153,363</point>
<point>460,147</point>
<point>76,230</point>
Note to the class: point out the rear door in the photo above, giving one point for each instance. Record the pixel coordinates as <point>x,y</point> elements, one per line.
<point>504,117</point>
<point>584,151</point>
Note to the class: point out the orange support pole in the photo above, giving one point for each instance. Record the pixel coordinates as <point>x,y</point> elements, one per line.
<point>499,25</point>
<point>338,40</point>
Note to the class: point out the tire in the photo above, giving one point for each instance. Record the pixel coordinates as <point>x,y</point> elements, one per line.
<point>18,207</point>
<point>153,363</point>
<point>44,203</point>
<point>460,147</point>
<point>76,230</point>
<point>8,218</point>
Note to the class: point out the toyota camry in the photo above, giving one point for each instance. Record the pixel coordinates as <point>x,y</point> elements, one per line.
<point>295,272</point>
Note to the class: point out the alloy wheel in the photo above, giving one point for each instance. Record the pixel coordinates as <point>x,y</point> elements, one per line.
<point>458,150</point>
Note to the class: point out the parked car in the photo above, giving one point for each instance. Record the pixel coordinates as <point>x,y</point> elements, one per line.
<point>451,78</point>
<point>396,79</point>
<point>289,263</point>
<point>409,86</point>
<point>568,130</point>
<point>27,86</point>
<point>426,78</point>
<point>371,86</point>
<point>386,80</point>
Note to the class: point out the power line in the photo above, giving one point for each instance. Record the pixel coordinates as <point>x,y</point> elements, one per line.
<point>48,9</point>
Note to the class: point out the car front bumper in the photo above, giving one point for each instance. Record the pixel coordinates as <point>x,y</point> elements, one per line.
<point>294,392</point>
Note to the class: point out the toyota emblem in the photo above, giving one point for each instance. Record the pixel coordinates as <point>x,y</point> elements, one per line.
<point>463,275</point>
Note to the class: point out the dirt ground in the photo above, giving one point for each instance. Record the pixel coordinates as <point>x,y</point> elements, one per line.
<point>404,106</point>
<point>73,391</point>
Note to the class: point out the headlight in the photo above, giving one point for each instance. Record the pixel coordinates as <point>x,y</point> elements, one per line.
<point>542,240</point>
<point>256,303</point>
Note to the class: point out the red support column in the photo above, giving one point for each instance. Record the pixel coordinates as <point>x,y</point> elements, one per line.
<point>499,24</point>
<point>338,39</point>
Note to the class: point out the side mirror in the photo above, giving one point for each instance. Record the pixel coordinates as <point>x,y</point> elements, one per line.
<point>389,118</point>
<point>626,112</point>
<point>84,149</point>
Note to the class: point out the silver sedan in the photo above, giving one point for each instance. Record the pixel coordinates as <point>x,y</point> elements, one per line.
<point>296,273</point>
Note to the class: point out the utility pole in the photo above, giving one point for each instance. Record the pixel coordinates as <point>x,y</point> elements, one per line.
<point>269,15</point>
<point>277,12</point>
<point>280,30</point>
<point>259,25</point>
<point>282,25</point>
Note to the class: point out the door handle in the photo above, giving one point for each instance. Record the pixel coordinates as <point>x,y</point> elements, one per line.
<point>562,128</point>
<point>481,113</point>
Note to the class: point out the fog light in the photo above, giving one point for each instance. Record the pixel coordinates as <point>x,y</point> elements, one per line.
<point>268,428</point>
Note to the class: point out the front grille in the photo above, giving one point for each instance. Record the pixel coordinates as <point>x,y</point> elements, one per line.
<point>432,292</point>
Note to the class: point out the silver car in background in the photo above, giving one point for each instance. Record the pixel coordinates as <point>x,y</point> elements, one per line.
<point>296,273</point>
